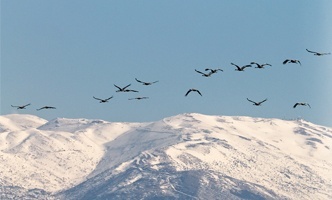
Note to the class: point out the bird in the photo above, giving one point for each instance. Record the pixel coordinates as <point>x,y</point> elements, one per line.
<point>204,74</point>
<point>257,103</point>
<point>301,104</point>
<point>193,90</point>
<point>260,66</point>
<point>46,107</point>
<point>291,61</point>
<point>138,98</point>
<point>238,68</point>
<point>21,107</point>
<point>317,53</point>
<point>146,83</point>
<point>124,89</point>
<point>214,70</point>
<point>103,100</point>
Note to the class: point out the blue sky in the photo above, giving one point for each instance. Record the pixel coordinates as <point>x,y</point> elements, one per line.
<point>61,53</point>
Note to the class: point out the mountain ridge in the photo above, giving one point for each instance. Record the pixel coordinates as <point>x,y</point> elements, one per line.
<point>187,156</point>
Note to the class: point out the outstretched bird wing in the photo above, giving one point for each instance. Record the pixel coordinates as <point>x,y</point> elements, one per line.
<point>309,105</point>
<point>139,81</point>
<point>187,92</point>
<point>131,90</point>
<point>200,72</point>
<point>286,61</point>
<point>254,63</point>
<point>245,66</point>
<point>251,101</point>
<point>262,101</point>
<point>117,87</point>
<point>109,98</point>
<point>295,105</point>
<point>239,68</point>
<point>126,86</point>
<point>97,98</point>
<point>198,92</point>
<point>214,70</point>
<point>310,51</point>
<point>41,108</point>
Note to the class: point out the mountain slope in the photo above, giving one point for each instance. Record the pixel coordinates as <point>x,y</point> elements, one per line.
<point>188,156</point>
<point>55,155</point>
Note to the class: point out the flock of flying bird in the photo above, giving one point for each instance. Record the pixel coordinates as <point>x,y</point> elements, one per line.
<point>120,89</point>
<point>24,106</point>
<point>208,72</point>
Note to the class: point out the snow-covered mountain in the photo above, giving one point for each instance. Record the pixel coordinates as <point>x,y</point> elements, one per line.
<point>188,156</point>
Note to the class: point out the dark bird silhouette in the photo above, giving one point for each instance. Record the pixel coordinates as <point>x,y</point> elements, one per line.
<point>138,98</point>
<point>213,70</point>
<point>21,107</point>
<point>238,68</point>
<point>124,89</point>
<point>317,53</point>
<point>301,104</point>
<point>204,74</point>
<point>146,83</point>
<point>193,90</point>
<point>103,100</point>
<point>260,66</point>
<point>257,103</point>
<point>46,107</point>
<point>291,61</point>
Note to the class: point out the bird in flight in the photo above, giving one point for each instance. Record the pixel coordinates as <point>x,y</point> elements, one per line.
<point>238,68</point>
<point>301,104</point>
<point>291,61</point>
<point>146,83</point>
<point>193,90</point>
<point>46,107</point>
<point>317,53</point>
<point>21,107</point>
<point>260,66</point>
<point>103,100</point>
<point>124,89</point>
<point>204,74</point>
<point>257,103</point>
<point>138,98</point>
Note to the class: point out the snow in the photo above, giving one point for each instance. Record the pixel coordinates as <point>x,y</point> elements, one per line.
<point>185,156</point>
<point>16,122</point>
<point>55,155</point>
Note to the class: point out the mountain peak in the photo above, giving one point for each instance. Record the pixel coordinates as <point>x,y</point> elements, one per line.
<point>70,125</point>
